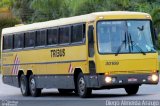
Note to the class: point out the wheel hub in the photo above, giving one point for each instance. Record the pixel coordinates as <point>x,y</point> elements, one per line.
<point>81,86</point>
<point>32,85</point>
<point>23,86</point>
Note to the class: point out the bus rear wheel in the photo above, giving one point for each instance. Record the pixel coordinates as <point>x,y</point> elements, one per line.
<point>24,86</point>
<point>83,91</point>
<point>32,86</point>
<point>132,90</point>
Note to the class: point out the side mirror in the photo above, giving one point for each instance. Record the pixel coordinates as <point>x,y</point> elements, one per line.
<point>90,34</point>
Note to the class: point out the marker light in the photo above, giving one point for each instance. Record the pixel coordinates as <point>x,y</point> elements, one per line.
<point>147,16</point>
<point>106,74</point>
<point>101,17</point>
<point>154,77</point>
<point>108,79</point>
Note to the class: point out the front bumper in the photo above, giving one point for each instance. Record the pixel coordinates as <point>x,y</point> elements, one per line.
<point>121,81</point>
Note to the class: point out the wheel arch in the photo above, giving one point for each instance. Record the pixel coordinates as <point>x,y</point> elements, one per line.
<point>76,73</point>
<point>29,72</point>
<point>20,72</point>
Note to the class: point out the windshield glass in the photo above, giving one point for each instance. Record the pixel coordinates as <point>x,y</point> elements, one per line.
<point>126,35</point>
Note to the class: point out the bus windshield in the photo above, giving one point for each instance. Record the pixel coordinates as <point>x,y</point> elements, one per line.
<point>126,36</point>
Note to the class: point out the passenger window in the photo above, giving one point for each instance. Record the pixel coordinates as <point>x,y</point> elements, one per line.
<point>52,37</point>
<point>77,33</point>
<point>30,39</point>
<point>18,40</point>
<point>7,42</point>
<point>64,35</point>
<point>41,38</point>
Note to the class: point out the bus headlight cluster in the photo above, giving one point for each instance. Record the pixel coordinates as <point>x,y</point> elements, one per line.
<point>153,77</point>
<point>109,79</point>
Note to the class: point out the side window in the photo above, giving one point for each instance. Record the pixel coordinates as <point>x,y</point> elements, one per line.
<point>52,37</point>
<point>30,39</point>
<point>84,31</point>
<point>64,35</point>
<point>7,42</point>
<point>41,38</point>
<point>18,40</point>
<point>78,33</point>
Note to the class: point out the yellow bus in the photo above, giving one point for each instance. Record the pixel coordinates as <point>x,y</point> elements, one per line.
<point>101,50</point>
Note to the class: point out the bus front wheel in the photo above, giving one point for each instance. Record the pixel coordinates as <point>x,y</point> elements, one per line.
<point>132,90</point>
<point>24,86</point>
<point>83,91</point>
<point>32,86</point>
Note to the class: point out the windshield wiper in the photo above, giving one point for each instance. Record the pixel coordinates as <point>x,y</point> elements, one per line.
<point>133,44</point>
<point>120,47</point>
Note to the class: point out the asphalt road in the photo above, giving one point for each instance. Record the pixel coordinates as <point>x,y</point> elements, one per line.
<point>52,97</point>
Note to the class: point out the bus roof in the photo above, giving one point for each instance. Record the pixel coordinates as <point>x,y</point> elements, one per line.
<point>64,21</point>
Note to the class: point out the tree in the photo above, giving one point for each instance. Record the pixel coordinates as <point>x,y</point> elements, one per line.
<point>5,3</point>
<point>21,9</point>
<point>156,17</point>
<point>49,9</point>
<point>30,11</point>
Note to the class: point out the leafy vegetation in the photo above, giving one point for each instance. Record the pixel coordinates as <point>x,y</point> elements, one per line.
<point>8,22</point>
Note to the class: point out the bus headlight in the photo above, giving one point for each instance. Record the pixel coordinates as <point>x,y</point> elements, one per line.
<point>154,77</point>
<point>108,79</point>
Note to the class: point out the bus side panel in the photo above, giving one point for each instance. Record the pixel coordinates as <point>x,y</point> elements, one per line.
<point>51,69</point>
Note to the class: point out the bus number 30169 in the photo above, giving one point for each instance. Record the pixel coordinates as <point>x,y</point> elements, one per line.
<point>58,53</point>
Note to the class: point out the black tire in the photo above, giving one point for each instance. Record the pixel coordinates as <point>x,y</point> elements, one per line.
<point>35,92</point>
<point>83,91</point>
<point>132,90</point>
<point>24,85</point>
<point>65,91</point>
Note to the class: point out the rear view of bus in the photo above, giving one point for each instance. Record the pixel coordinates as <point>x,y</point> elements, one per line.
<point>125,50</point>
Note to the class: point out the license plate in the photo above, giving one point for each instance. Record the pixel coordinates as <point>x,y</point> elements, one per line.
<point>132,79</point>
